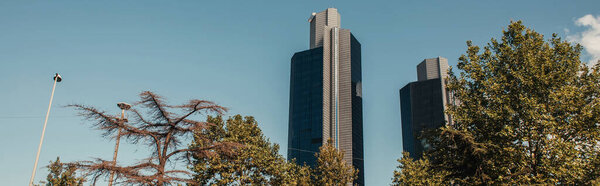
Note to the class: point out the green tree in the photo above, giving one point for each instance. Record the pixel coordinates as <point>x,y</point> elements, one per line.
<point>417,172</point>
<point>301,174</point>
<point>62,174</point>
<point>529,113</point>
<point>331,167</point>
<point>255,162</point>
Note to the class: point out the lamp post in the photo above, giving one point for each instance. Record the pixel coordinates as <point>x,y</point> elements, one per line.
<point>123,106</point>
<point>57,78</point>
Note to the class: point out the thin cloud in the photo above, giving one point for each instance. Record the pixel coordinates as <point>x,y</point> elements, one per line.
<point>590,37</point>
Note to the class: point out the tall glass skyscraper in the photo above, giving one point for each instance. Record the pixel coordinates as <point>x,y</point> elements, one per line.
<point>326,94</point>
<point>422,104</point>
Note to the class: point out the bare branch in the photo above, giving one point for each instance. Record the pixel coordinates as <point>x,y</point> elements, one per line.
<point>162,131</point>
<point>155,104</point>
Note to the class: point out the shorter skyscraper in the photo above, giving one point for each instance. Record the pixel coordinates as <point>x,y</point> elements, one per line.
<point>422,104</point>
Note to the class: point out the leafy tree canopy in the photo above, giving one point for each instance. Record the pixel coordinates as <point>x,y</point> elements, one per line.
<point>529,113</point>
<point>331,167</point>
<point>416,172</point>
<point>256,162</point>
<point>62,174</point>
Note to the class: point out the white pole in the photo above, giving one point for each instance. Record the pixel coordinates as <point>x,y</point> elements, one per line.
<point>37,157</point>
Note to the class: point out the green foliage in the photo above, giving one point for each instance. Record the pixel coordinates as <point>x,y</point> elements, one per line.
<point>61,174</point>
<point>256,162</point>
<point>417,172</point>
<point>331,168</point>
<point>529,113</point>
<point>301,174</point>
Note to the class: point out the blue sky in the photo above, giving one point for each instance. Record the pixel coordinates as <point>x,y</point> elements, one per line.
<point>236,53</point>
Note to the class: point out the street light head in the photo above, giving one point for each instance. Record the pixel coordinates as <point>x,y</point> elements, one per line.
<point>124,106</point>
<point>57,78</point>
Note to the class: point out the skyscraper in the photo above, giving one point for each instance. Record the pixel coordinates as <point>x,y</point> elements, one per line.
<point>422,104</point>
<point>326,95</point>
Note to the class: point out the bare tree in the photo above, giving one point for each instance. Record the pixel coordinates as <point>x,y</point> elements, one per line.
<point>159,129</point>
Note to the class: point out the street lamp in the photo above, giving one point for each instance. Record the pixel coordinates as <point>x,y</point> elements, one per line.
<point>57,78</point>
<point>123,106</point>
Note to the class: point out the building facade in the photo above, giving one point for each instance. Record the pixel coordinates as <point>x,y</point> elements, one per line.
<point>326,94</point>
<point>422,104</point>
